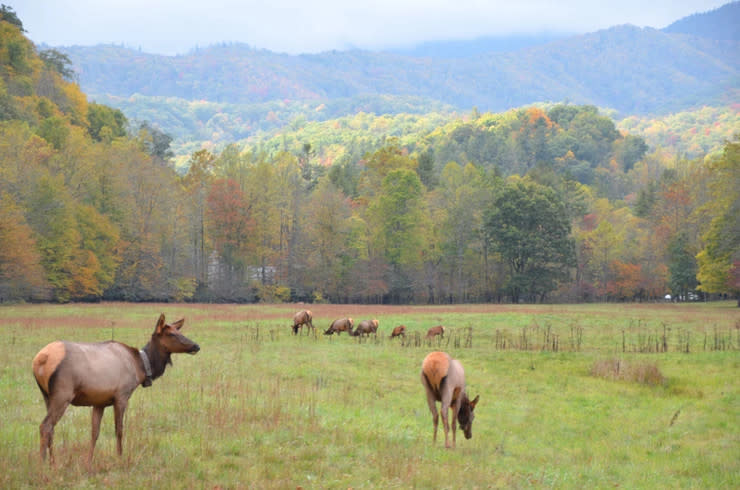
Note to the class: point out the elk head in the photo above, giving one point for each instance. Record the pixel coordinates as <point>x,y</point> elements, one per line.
<point>466,416</point>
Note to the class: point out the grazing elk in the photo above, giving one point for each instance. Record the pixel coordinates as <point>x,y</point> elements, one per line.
<point>444,381</point>
<point>303,317</point>
<point>366,327</point>
<point>434,331</point>
<point>399,331</point>
<point>339,326</point>
<point>100,375</point>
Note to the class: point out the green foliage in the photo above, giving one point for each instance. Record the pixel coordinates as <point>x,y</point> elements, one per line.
<point>154,141</point>
<point>527,225</point>
<point>719,260</point>
<point>681,266</point>
<point>55,131</point>
<point>398,215</point>
<point>59,62</point>
<point>106,123</point>
<point>18,56</point>
<point>51,216</point>
<point>7,14</point>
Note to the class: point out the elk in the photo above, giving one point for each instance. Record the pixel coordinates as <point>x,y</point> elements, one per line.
<point>303,317</point>
<point>100,375</point>
<point>366,327</point>
<point>444,381</point>
<point>399,331</point>
<point>434,331</point>
<point>339,326</point>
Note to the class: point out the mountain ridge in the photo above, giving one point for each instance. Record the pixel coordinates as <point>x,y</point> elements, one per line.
<point>598,68</point>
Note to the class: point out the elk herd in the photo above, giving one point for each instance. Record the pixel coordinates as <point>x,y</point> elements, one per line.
<point>365,327</point>
<point>105,374</point>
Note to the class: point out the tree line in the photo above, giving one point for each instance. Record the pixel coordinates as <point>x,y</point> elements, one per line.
<point>530,205</point>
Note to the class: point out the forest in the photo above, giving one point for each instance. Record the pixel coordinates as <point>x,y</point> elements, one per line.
<point>535,204</point>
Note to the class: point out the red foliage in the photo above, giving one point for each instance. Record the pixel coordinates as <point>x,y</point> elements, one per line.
<point>228,214</point>
<point>589,222</point>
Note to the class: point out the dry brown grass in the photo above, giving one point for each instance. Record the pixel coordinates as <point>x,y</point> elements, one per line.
<point>642,372</point>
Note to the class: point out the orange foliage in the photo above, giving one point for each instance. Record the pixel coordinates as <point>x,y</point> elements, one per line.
<point>21,273</point>
<point>228,214</point>
<point>534,114</point>
<point>84,282</point>
<point>627,280</point>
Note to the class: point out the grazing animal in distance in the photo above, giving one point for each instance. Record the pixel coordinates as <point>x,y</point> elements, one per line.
<point>100,375</point>
<point>444,381</point>
<point>366,327</point>
<point>399,331</point>
<point>339,326</point>
<point>303,317</point>
<point>434,331</point>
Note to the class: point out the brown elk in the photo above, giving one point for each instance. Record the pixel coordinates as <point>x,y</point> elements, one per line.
<point>303,317</point>
<point>399,331</point>
<point>434,331</point>
<point>366,327</point>
<point>339,326</point>
<point>444,381</point>
<point>100,375</point>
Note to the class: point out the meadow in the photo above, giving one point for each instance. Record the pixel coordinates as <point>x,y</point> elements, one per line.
<point>591,396</point>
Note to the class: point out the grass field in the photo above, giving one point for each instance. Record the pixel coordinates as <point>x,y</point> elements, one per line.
<point>571,396</point>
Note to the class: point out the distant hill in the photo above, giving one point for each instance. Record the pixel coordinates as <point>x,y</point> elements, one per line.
<point>231,91</point>
<point>722,23</point>
<point>627,68</point>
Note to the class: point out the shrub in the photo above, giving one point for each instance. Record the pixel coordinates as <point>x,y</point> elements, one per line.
<point>637,372</point>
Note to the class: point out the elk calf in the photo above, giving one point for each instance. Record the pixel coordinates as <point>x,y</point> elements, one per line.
<point>101,375</point>
<point>434,331</point>
<point>399,331</point>
<point>444,381</point>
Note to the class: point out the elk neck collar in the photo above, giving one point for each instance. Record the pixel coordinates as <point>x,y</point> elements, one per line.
<point>147,368</point>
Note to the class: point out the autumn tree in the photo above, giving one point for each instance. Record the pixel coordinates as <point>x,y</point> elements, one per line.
<point>336,243</point>
<point>398,229</point>
<point>681,266</point>
<point>261,194</point>
<point>460,199</point>
<point>197,182</point>
<point>51,215</point>
<point>230,227</point>
<point>719,259</point>
<point>392,156</point>
<point>293,190</point>
<point>22,276</point>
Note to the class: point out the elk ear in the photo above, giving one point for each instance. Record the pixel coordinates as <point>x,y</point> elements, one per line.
<point>160,324</point>
<point>178,324</point>
<point>474,402</point>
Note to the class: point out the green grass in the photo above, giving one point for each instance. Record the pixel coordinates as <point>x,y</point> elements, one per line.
<point>260,408</point>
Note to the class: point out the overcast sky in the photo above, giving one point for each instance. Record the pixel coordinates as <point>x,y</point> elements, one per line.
<point>309,26</point>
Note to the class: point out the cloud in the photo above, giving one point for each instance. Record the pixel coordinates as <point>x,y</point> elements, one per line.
<point>176,26</point>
